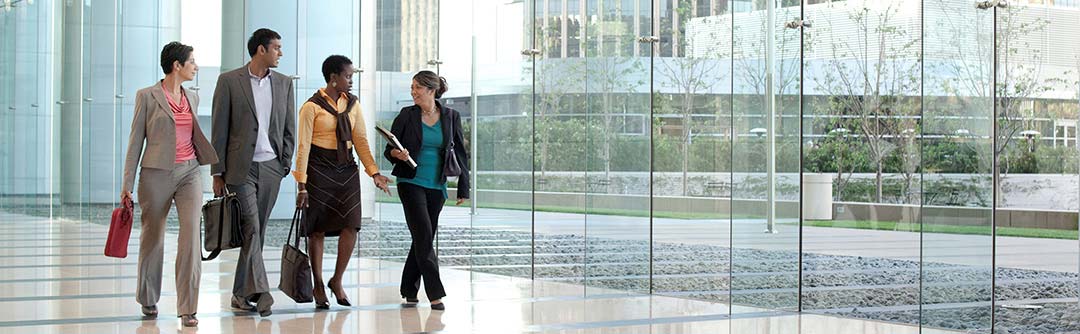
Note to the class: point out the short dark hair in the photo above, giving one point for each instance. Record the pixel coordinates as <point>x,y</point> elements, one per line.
<point>433,81</point>
<point>261,37</point>
<point>173,52</point>
<point>334,64</point>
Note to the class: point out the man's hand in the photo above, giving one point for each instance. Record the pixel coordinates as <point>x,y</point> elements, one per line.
<point>219,186</point>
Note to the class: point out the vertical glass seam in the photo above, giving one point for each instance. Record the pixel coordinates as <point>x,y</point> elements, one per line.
<point>802,109</point>
<point>994,173</point>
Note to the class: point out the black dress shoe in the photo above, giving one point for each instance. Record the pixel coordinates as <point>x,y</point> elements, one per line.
<point>241,303</point>
<point>262,304</point>
<point>438,307</point>
<point>410,302</point>
<point>150,311</point>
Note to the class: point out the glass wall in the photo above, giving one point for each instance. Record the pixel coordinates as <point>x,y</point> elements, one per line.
<point>1036,94</point>
<point>765,158</point>
<point>908,161</point>
<point>861,120</point>
<point>958,127</point>
<point>692,146</point>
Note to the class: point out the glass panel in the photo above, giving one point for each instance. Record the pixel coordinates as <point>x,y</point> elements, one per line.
<point>455,53</point>
<point>958,155</point>
<point>7,93</point>
<point>405,40</point>
<point>500,97</point>
<point>1037,85</point>
<point>765,156</point>
<point>617,161</point>
<point>101,121</point>
<point>692,154</point>
<point>559,158</point>
<point>24,130</point>
<point>862,182</point>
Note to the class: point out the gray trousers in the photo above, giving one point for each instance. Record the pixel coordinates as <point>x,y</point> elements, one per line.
<point>158,189</point>
<point>257,196</point>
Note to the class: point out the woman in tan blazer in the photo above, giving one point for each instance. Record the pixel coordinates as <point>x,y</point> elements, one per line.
<point>167,125</point>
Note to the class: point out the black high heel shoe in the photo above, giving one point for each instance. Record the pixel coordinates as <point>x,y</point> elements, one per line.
<point>324,304</point>
<point>340,301</point>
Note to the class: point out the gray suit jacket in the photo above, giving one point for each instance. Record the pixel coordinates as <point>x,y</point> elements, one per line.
<point>154,126</point>
<point>235,124</point>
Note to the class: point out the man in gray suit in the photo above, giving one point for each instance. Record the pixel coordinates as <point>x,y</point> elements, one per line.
<point>253,133</point>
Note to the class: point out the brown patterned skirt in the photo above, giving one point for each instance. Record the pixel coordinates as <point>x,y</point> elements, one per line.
<point>333,194</point>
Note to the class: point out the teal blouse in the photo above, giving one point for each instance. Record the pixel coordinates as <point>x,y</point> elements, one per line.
<point>429,162</point>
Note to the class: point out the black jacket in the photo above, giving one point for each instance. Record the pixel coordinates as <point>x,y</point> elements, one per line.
<point>408,128</point>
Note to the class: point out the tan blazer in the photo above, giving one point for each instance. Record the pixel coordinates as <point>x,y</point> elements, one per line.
<point>154,125</point>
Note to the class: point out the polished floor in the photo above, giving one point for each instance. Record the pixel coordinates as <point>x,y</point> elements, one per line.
<point>53,279</point>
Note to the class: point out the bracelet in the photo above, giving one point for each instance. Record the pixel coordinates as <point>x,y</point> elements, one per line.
<point>302,192</point>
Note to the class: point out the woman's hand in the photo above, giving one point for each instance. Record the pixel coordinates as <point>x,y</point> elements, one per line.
<point>301,197</point>
<point>382,183</point>
<point>401,154</point>
<point>125,197</point>
<point>459,201</point>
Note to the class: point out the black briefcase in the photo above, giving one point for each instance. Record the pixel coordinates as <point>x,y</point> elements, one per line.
<point>221,225</point>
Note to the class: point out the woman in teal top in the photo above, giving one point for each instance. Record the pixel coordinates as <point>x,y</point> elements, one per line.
<point>429,162</point>
<point>425,131</point>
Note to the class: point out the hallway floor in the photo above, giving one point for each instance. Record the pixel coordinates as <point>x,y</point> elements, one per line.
<point>53,279</point>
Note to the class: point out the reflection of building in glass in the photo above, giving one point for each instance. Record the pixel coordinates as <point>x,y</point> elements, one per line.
<point>730,45</point>
<point>407,35</point>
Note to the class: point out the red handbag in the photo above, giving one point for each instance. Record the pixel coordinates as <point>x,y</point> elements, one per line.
<point>119,231</point>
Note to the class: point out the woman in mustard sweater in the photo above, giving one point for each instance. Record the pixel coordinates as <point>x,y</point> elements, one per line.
<point>328,180</point>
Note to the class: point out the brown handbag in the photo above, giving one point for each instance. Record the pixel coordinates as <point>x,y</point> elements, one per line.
<point>295,266</point>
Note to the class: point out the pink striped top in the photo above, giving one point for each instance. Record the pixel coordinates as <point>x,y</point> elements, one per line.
<point>183,116</point>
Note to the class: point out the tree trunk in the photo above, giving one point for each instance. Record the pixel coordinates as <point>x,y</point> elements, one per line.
<point>609,134</point>
<point>687,103</point>
<point>543,146</point>
<point>839,184</point>
<point>686,154</point>
<point>880,166</point>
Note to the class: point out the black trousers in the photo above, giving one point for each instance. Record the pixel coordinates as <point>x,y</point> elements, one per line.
<point>422,207</point>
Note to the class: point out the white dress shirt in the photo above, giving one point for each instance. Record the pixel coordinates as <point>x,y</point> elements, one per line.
<point>264,102</point>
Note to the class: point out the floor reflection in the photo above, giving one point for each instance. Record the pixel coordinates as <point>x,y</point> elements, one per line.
<point>415,320</point>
